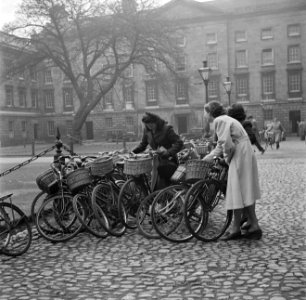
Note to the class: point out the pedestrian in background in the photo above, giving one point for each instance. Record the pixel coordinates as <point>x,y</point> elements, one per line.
<point>162,138</point>
<point>237,112</point>
<point>278,130</point>
<point>242,189</point>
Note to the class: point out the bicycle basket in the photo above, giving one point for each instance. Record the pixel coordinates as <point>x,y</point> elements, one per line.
<point>47,182</point>
<point>78,179</point>
<point>137,166</point>
<point>202,149</point>
<point>179,173</point>
<point>101,166</point>
<point>197,169</point>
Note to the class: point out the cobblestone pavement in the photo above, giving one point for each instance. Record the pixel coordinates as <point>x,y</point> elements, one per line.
<point>133,267</point>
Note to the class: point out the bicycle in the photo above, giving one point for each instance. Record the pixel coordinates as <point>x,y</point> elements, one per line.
<point>15,229</point>
<point>204,212</point>
<point>269,138</point>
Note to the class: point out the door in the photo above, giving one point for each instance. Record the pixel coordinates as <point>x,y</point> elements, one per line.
<point>89,130</point>
<point>35,131</point>
<point>294,118</point>
<point>181,124</point>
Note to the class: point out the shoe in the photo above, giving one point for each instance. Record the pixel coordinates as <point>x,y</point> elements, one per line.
<point>245,227</point>
<point>254,235</point>
<point>243,221</point>
<point>232,236</point>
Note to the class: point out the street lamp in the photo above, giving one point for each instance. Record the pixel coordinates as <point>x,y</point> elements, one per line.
<point>228,88</point>
<point>205,73</point>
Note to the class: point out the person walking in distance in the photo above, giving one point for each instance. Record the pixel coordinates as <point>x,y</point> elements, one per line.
<point>242,189</point>
<point>277,128</point>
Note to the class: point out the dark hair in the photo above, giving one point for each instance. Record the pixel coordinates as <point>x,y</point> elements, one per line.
<point>215,108</point>
<point>152,118</point>
<point>237,112</point>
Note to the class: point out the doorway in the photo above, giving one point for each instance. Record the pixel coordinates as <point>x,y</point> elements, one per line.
<point>182,124</point>
<point>89,130</point>
<point>294,118</point>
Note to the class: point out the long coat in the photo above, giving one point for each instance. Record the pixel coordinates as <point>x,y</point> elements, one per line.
<point>233,142</point>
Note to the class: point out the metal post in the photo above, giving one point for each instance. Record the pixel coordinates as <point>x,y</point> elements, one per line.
<point>58,145</point>
<point>33,147</point>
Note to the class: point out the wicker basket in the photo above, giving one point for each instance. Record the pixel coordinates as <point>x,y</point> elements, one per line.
<point>78,179</point>
<point>101,166</point>
<point>179,173</point>
<point>202,149</point>
<point>197,169</point>
<point>137,166</point>
<point>47,182</point>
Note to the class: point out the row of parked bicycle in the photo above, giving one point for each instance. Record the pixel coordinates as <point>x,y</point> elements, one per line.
<point>112,192</point>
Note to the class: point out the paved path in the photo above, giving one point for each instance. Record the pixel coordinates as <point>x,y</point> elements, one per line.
<point>133,267</point>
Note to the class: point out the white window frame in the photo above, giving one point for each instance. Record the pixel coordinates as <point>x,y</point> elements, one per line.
<point>11,129</point>
<point>240,36</point>
<point>296,32</point>
<point>242,88</point>
<point>48,76</point>
<point>108,122</point>
<point>267,61</point>
<point>34,98</point>
<point>268,86</point>
<point>213,89</point>
<point>68,97</point>
<point>244,54</point>
<point>10,89</point>
<point>22,97</point>
<point>181,63</point>
<point>296,76</point>
<point>211,38</point>
<point>49,99</point>
<point>151,92</point>
<point>51,128</point>
<point>294,51</point>
<point>212,60</point>
<point>267,33</point>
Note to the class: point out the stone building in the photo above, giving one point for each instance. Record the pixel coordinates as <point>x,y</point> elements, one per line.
<point>259,45</point>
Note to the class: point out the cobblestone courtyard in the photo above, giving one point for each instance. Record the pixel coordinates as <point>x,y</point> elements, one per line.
<point>133,267</point>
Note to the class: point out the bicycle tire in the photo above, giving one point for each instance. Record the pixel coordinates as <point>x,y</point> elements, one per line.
<point>106,199</point>
<point>209,198</point>
<point>15,230</point>
<point>84,211</point>
<point>37,202</point>
<point>144,219</point>
<point>131,194</point>
<point>168,214</point>
<point>56,220</point>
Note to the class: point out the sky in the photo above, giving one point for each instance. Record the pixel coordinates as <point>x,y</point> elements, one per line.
<point>8,8</point>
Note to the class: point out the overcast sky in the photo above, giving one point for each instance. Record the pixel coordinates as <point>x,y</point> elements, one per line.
<point>8,8</point>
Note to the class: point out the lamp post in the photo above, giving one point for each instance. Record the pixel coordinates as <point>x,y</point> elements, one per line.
<point>227,84</point>
<point>205,73</point>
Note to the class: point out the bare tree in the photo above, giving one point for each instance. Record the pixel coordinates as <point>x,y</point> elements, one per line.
<point>93,42</point>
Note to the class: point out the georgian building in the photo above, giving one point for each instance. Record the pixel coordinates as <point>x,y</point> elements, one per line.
<point>260,45</point>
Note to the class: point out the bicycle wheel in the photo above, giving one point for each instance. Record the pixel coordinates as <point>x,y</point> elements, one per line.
<point>207,199</point>
<point>144,219</point>
<point>131,194</point>
<point>56,220</point>
<point>105,198</point>
<point>37,202</point>
<point>168,214</point>
<point>15,230</point>
<point>84,211</point>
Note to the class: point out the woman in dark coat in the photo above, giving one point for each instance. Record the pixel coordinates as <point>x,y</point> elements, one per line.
<point>162,138</point>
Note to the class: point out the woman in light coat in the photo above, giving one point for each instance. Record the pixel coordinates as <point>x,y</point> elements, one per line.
<point>243,184</point>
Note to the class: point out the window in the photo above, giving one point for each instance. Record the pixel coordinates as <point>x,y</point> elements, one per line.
<point>34,98</point>
<point>213,89</point>
<point>242,87</point>
<point>48,76</point>
<point>9,96</point>
<point>295,83</point>
<point>294,54</point>
<point>129,121</point>
<point>128,94</point>
<point>151,93</point>
<point>212,60</point>
<point>294,30</point>
<point>181,91</point>
<point>211,38</point>
<point>33,74</point>
<point>65,78</point>
<point>108,100</point>
<point>268,86</point>
<point>49,99</point>
<point>268,114</point>
<point>23,126</point>
<point>68,97</point>
<point>22,97</point>
<point>240,36</point>
<point>266,34</point>
<point>8,69</point>
<point>267,57</point>
<point>21,74</point>
<point>241,59</point>
<point>69,127</point>
<point>108,122</point>
<point>11,129</point>
<point>180,41</point>
<point>51,128</point>
<point>181,63</point>
<point>129,71</point>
